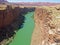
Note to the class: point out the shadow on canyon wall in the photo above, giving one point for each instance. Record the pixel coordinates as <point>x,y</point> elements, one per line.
<point>17,16</point>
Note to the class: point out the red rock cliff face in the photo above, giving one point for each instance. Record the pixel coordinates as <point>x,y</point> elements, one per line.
<point>8,15</point>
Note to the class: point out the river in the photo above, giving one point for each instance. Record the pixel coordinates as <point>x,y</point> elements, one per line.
<point>23,36</point>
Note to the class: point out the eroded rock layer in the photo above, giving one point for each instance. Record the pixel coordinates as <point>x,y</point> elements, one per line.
<point>47,26</point>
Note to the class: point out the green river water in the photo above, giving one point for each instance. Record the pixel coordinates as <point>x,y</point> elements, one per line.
<point>23,36</point>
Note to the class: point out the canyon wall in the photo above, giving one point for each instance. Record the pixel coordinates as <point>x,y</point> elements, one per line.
<point>8,15</point>
<point>47,26</point>
<point>11,19</point>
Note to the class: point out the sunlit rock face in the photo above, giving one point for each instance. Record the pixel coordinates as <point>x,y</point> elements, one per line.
<point>47,26</point>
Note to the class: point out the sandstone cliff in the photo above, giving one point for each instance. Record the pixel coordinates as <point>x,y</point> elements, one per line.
<point>11,19</point>
<point>8,15</point>
<point>47,26</point>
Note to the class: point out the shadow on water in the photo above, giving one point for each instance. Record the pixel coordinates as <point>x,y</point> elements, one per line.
<point>8,31</point>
